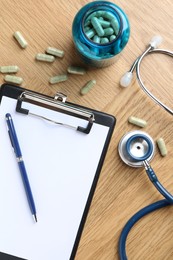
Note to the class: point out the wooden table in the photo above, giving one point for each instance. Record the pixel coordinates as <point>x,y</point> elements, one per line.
<point>121,190</point>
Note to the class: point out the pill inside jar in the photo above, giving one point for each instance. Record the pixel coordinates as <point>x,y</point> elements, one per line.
<point>100,31</point>
<point>101,24</point>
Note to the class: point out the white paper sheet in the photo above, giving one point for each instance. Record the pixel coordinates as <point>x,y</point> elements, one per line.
<point>61,164</point>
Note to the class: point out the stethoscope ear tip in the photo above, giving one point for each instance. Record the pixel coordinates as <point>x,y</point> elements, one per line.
<point>136,147</point>
<point>156,41</point>
<point>126,79</point>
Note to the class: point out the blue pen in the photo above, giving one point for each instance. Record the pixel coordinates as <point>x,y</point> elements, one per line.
<point>15,144</point>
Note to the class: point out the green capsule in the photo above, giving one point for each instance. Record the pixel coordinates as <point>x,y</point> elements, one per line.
<point>87,23</point>
<point>97,26</point>
<point>55,52</point>
<point>44,57</point>
<point>9,69</point>
<point>115,25</point>
<point>108,15</point>
<point>162,147</point>
<point>101,18</point>
<point>90,33</point>
<point>96,39</point>
<point>58,78</point>
<point>108,31</point>
<point>88,86</point>
<point>99,13</point>
<point>104,24</point>
<point>88,19</point>
<point>104,40</point>
<point>137,121</point>
<point>76,70</point>
<point>21,40</point>
<point>86,28</point>
<point>13,79</point>
<point>112,37</point>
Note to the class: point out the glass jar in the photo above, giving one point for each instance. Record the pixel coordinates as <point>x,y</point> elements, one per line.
<point>100,31</point>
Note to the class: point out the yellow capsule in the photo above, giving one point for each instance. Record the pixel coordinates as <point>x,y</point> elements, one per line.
<point>87,87</point>
<point>13,79</point>
<point>162,147</point>
<point>137,121</point>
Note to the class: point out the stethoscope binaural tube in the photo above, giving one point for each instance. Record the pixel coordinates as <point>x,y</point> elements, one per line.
<point>127,77</point>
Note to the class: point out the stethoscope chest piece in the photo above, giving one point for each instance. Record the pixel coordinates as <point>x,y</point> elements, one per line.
<point>136,147</point>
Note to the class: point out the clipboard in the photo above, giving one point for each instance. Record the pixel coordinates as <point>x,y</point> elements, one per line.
<point>64,146</point>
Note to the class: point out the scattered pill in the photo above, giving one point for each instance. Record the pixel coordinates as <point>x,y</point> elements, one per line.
<point>88,86</point>
<point>97,26</point>
<point>76,70</point>
<point>58,78</point>
<point>104,40</point>
<point>162,147</point>
<point>13,79</point>
<point>137,121</point>
<point>55,52</point>
<point>9,69</point>
<point>44,57</point>
<point>18,36</point>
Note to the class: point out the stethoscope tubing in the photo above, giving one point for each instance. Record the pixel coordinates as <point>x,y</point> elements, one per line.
<point>137,65</point>
<point>132,221</point>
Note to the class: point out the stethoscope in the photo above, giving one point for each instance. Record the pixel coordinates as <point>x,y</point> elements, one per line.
<point>136,148</point>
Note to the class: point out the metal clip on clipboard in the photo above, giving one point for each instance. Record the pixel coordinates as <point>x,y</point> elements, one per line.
<point>58,104</point>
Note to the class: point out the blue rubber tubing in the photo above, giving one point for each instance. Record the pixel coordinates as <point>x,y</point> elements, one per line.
<point>131,222</point>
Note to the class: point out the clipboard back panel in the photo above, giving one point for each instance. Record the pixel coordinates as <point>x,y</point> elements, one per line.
<point>63,166</point>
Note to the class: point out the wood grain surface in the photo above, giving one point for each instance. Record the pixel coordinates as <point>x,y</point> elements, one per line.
<point>121,190</point>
